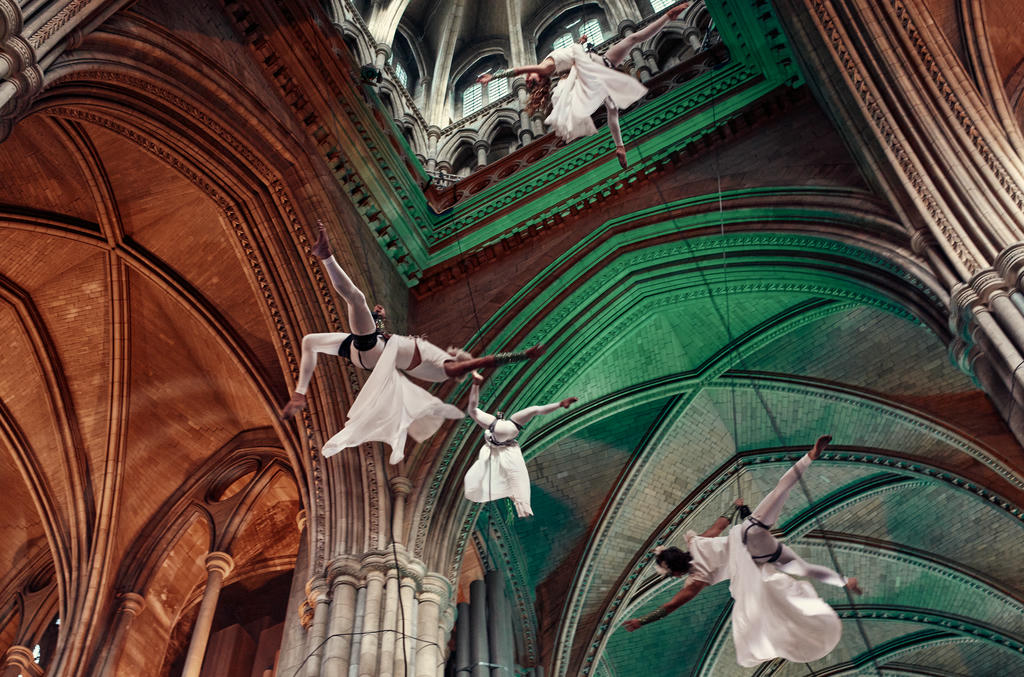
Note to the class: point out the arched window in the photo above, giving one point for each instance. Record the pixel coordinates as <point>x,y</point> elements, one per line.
<point>472,99</point>
<point>588,20</point>
<point>658,5</point>
<point>403,62</point>
<point>470,96</point>
<point>400,73</point>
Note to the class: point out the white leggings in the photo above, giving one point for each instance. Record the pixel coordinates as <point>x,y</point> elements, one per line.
<point>760,542</point>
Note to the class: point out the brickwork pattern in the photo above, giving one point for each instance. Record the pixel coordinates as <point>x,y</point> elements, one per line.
<point>868,348</point>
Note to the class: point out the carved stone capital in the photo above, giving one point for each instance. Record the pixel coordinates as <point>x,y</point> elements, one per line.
<point>301,521</point>
<point>436,588</point>
<point>921,241</point>
<point>131,603</point>
<point>220,561</point>
<point>988,283</point>
<point>317,591</point>
<point>22,657</point>
<point>963,301</point>
<point>402,486</point>
<point>343,570</point>
<point>1010,264</point>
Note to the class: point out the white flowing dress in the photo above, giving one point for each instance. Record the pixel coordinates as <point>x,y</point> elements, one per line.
<point>774,615</point>
<point>500,470</point>
<point>588,83</point>
<point>390,407</point>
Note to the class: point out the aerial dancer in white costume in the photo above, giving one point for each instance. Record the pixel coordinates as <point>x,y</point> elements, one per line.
<point>591,80</point>
<point>500,471</point>
<point>774,615</point>
<point>389,406</point>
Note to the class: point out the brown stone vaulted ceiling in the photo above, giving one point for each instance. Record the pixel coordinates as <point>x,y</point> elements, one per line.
<point>156,206</point>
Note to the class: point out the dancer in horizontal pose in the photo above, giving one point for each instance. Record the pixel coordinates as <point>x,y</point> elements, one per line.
<point>591,80</point>
<point>388,406</point>
<point>774,615</point>
<point>500,471</point>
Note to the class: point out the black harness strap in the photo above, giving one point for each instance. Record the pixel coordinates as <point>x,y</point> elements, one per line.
<point>754,522</point>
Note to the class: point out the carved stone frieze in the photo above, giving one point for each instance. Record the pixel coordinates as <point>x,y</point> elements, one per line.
<point>879,115</point>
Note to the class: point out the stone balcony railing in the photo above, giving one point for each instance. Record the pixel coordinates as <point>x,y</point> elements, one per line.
<point>447,189</point>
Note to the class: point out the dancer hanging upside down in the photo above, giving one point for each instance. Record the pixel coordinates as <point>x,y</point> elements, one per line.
<point>388,406</point>
<point>774,616</point>
<point>591,80</point>
<point>500,471</point>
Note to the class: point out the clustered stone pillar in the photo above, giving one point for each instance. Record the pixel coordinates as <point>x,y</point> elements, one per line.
<point>218,566</point>
<point>19,661</point>
<point>987,318</point>
<point>482,147</point>
<point>371,618</point>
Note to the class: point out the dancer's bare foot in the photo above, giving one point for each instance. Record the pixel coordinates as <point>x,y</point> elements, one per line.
<point>294,406</point>
<point>565,404</point>
<point>322,248</point>
<point>620,153</point>
<point>819,446</point>
<point>478,378</point>
<point>533,352</point>
<point>851,585</point>
<point>674,13</point>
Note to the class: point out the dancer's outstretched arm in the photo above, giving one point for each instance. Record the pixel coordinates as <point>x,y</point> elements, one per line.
<point>520,418</point>
<point>618,52</point>
<point>688,592</point>
<point>723,521</point>
<point>545,67</point>
<point>482,418</point>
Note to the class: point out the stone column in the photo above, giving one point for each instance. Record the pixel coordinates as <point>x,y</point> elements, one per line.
<point>342,575</point>
<point>318,598</point>
<point>434,596</point>
<point>369,646</point>
<point>400,487</point>
<point>988,322</point>
<point>389,622</point>
<point>19,661</point>
<point>499,627</point>
<point>481,147</point>
<point>218,566</point>
<point>382,53</point>
<point>433,136</point>
<point>131,605</point>
<point>523,96</point>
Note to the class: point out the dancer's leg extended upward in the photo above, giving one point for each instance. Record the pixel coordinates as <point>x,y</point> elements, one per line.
<point>763,546</point>
<point>367,346</point>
